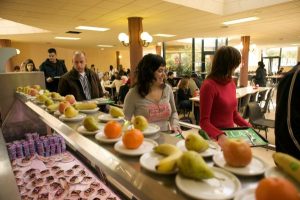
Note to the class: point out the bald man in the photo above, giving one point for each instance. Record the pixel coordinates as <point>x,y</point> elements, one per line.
<point>82,82</point>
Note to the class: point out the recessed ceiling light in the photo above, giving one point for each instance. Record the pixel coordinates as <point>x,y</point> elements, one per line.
<point>164,35</point>
<point>67,38</point>
<point>104,45</point>
<point>91,28</point>
<point>242,20</point>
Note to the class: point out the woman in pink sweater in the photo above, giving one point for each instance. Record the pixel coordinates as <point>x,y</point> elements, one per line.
<point>218,104</point>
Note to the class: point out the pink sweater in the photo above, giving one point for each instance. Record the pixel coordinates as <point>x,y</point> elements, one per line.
<point>218,107</point>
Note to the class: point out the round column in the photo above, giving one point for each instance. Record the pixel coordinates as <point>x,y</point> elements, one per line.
<point>245,56</point>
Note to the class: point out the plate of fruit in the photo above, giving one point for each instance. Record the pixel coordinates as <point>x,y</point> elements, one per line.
<point>71,115</point>
<point>90,126</point>
<point>162,160</point>
<point>115,114</point>
<point>141,123</point>
<point>206,148</point>
<point>111,132</point>
<point>133,143</point>
<point>86,107</point>
<point>256,166</point>
<point>198,180</point>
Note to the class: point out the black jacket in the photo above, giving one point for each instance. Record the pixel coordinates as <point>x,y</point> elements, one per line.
<point>283,140</point>
<point>70,84</point>
<point>53,70</point>
<point>260,77</point>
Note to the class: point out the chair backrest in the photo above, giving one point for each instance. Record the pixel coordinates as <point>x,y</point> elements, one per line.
<point>268,98</point>
<point>254,97</point>
<point>254,112</point>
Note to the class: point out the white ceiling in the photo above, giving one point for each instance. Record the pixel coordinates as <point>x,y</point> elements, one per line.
<point>279,25</point>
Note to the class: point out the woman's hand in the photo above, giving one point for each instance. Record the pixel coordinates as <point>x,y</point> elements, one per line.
<point>222,140</point>
<point>176,129</point>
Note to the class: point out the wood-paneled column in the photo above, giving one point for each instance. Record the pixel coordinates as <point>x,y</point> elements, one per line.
<point>245,56</point>
<point>118,58</point>
<point>9,63</point>
<point>135,28</point>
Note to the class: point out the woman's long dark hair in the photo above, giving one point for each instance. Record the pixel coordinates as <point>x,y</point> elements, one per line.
<point>145,72</point>
<point>30,61</point>
<point>225,61</point>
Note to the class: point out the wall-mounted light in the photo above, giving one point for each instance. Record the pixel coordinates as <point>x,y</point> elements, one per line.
<point>145,39</point>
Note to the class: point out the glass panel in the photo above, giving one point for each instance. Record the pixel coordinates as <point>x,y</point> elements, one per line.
<point>208,63</point>
<point>179,56</point>
<point>221,42</point>
<point>271,52</point>
<point>289,56</point>
<point>209,44</point>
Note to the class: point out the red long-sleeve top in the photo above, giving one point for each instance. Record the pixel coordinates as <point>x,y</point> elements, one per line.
<point>218,107</point>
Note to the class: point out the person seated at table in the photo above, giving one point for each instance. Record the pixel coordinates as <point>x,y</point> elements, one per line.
<point>170,79</point>
<point>29,65</point>
<point>260,76</point>
<point>81,81</point>
<point>123,91</point>
<point>197,79</point>
<point>183,95</point>
<point>17,68</point>
<point>287,115</point>
<point>218,103</point>
<point>105,81</point>
<point>151,97</point>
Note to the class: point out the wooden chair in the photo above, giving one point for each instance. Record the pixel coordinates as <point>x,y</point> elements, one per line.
<point>258,120</point>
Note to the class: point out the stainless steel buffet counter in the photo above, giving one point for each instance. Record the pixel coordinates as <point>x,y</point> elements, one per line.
<point>124,172</point>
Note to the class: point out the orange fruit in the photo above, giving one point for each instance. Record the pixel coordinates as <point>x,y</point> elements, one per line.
<point>273,188</point>
<point>133,138</point>
<point>112,129</point>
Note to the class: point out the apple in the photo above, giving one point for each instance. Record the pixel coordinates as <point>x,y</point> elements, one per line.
<point>33,92</point>
<point>70,98</point>
<point>62,106</point>
<point>237,152</point>
<point>37,87</point>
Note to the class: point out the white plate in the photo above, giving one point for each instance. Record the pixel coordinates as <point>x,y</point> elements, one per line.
<point>246,194</point>
<point>83,131</point>
<point>150,160</point>
<point>210,189</point>
<point>89,111</point>
<point>255,167</point>
<point>145,147</point>
<point>212,150</point>
<point>108,117</point>
<point>276,172</point>
<point>150,130</point>
<point>102,138</point>
<point>73,119</point>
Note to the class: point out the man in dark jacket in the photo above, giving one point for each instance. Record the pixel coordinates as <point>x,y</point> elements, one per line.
<point>261,73</point>
<point>53,70</point>
<point>287,118</point>
<point>82,82</point>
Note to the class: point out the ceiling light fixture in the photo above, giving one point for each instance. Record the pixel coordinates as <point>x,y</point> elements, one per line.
<point>145,39</point>
<point>104,45</point>
<point>242,20</point>
<point>92,28</point>
<point>164,35</point>
<point>67,38</point>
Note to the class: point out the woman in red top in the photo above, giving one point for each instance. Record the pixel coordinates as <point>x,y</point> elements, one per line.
<point>218,104</point>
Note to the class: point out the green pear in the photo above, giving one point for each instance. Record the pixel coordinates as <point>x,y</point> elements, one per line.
<point>41,98</point>
<point>195,142</point>
<point>53,107</point>
<point>116,112</point>
<point>48,102</point>
<point>90,124</point>
<point>140,122</point>
<point>192,165</point>
<point>70,112</point>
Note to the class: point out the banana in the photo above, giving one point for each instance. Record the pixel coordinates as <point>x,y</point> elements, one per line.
<point>288,164</point>
<point>116,112</point>
<point>172,154</point>
<point>85,106</point>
